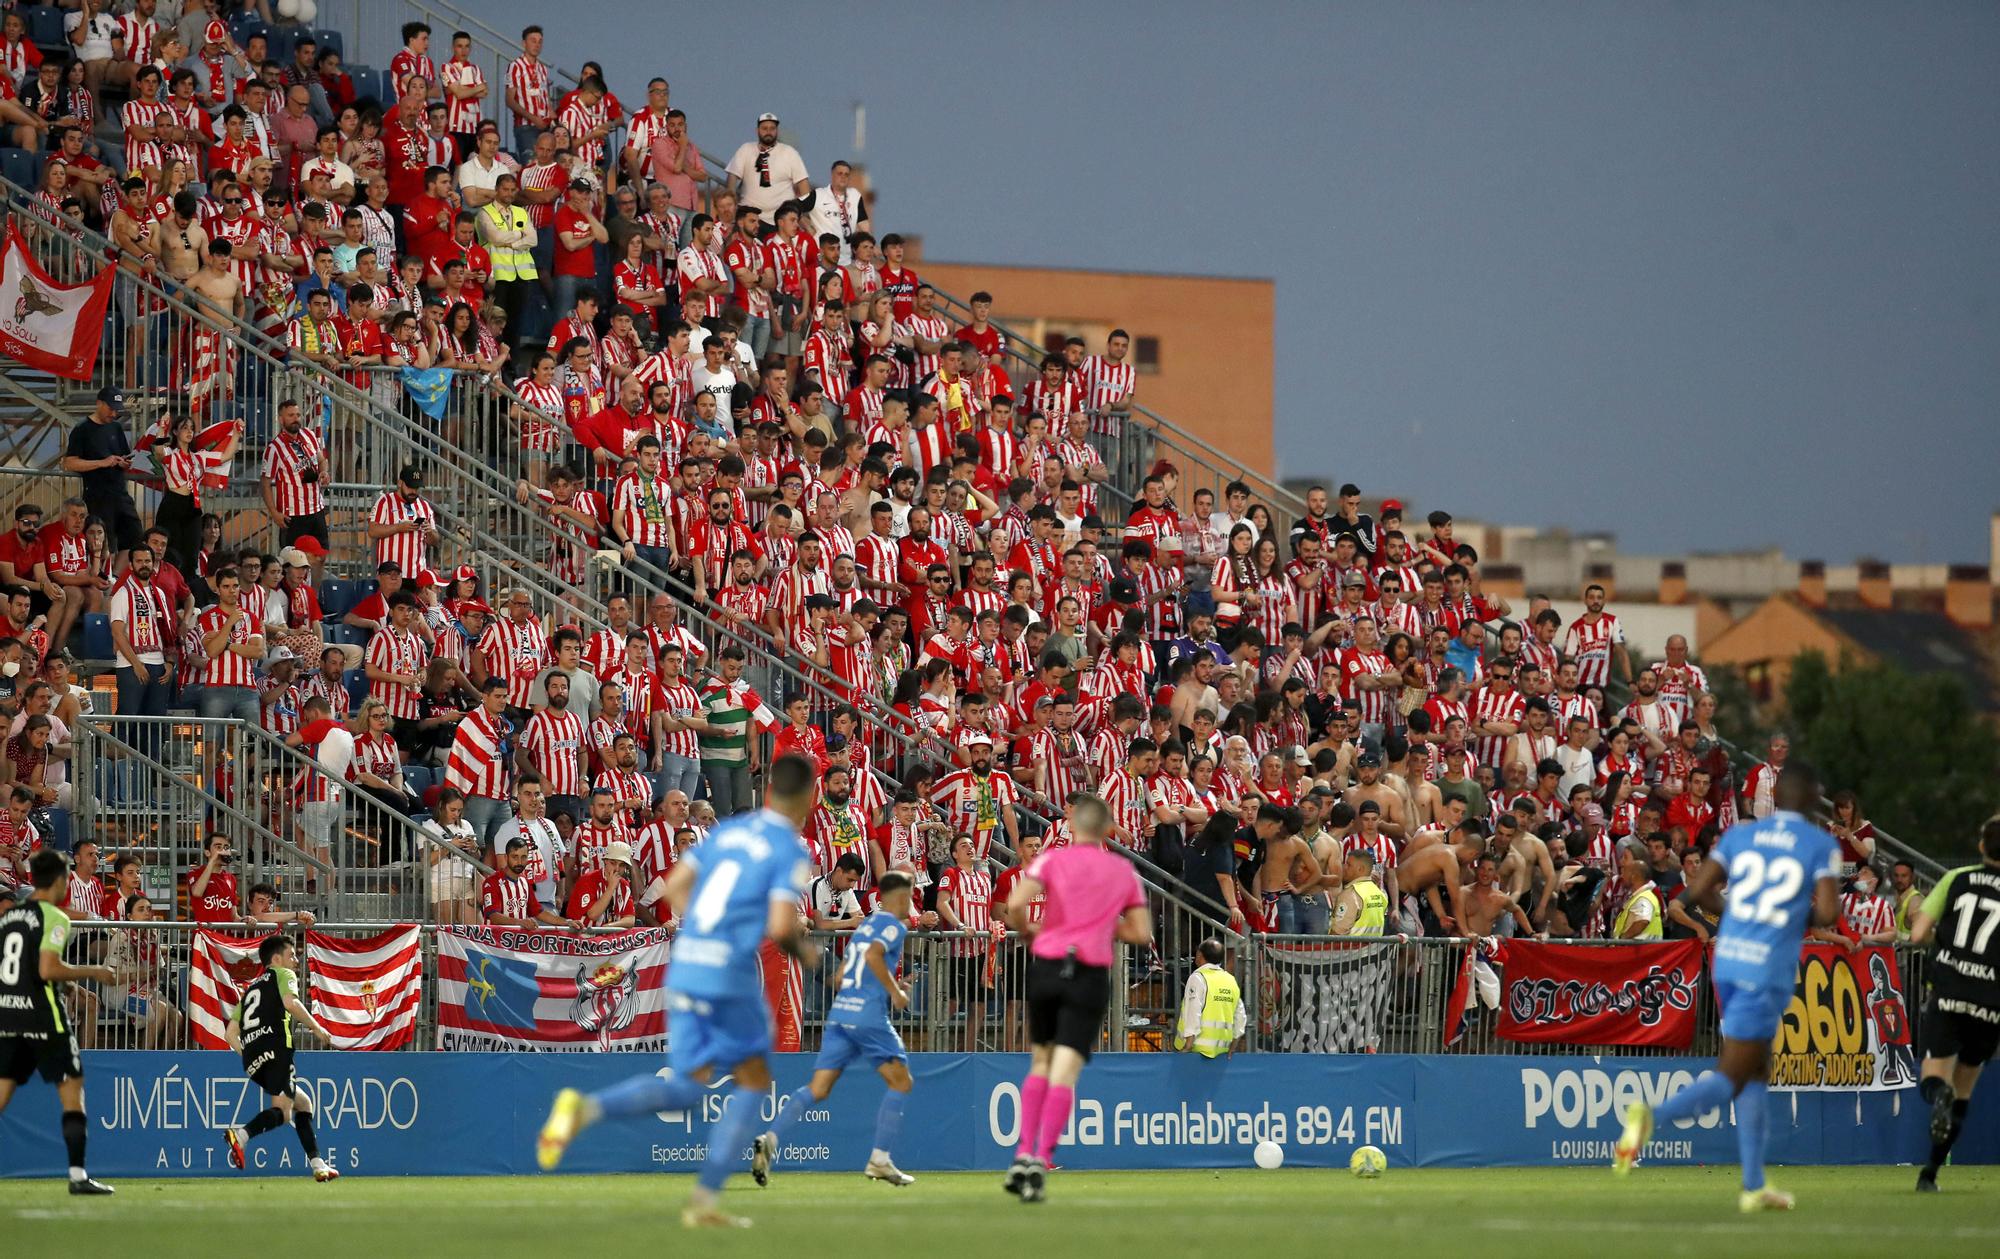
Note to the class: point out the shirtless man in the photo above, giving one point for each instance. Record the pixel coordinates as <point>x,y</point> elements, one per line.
<point>1436,876</point>
<point>1449,820</point>
<point>216,282</point>
<point>1290,878</point>
<point>1421,801</point>
<point>183,240</point>
<point>1487,903</point>
<point>1330,843</point>
<point>1524,864</point>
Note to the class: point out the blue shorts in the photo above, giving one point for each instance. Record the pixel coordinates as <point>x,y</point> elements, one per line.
<point>716,1032</point>
<point>843,1045</point>
<point>1752,1011</point>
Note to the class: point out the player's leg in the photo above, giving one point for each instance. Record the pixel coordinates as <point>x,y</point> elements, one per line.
<point>895,1074</point>
<point>64,1066</point>
<point>740,1112</point>
<point>270,1119</point>
<point>1044,1007</point>
<point>674,1087</point>
<point>834,1055</point>
<point>1747,1065</point>
<point>1948,1082</point>
<point>1706,1092</point>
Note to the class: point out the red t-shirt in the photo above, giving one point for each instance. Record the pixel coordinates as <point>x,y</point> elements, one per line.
<point>580,262</point>
<point>21,554</point>
<point>218,902</point>
<point>406,150</point>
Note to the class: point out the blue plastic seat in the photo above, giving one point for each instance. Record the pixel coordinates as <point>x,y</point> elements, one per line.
<point>45,26</point>
<point>356,682</point>
<point>337,598</point>
<point>333,40</point>
<point>21,168</point>
<point>367,84</point>
<point>97,644</point>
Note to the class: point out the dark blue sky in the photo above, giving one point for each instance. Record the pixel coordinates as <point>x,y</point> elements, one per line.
<point>1708,274</point>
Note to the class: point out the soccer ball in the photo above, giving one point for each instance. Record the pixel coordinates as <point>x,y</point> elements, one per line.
<point>1368,1162</point>
<point>1269,1155</point>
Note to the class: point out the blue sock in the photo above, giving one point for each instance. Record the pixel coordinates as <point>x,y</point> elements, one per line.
<point>889,1120</point>
<point>728,1137</point>
<point>1709,1090</point>
<point>644,1094</point>
<point>792,1110</point>
<point>1753,1123</point>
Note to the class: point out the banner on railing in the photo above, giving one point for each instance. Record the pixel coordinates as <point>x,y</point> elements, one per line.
<point>1639,994</point>
<point>219,965</point>
<point>1847,1027</point>
<point>1327,998</point>
<point>366,992</point>
<point>506,988</point>
<point>45,325</point>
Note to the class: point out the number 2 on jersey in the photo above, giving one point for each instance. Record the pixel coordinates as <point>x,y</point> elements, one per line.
<point>1761,890</point>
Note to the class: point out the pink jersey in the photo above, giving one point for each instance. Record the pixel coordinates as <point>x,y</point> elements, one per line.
<point>1088,888</point>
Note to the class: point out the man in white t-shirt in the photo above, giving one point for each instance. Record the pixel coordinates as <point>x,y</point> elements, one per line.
<point>766,174</point>
<point>712,375</point>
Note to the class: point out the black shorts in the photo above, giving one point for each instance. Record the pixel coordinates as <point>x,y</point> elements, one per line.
<point>53,1057</point>
<point>312,526</point>
<point>1954,1034</point>
<point>1067,1011</point>
<point>272,1072</point>
<point>965,978</point>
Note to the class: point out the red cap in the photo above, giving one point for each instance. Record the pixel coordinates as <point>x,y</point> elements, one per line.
<point>427,579</point>
<point>465,572</point>
<point>475,605</point>
<point>215,33</point>
<point>311,546</point>
<point>1391,504</point>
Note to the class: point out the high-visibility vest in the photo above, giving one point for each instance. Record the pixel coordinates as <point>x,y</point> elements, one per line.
<point>1374,908</point>
<point>1218,1013</point>
<point>509,264</point>
<point>1654,928</point>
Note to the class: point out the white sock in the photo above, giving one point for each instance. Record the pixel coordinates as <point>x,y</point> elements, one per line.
<point>77,1173</point>
<point>878,1156</point>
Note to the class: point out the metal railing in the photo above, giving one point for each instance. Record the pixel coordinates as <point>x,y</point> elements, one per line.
<point>158,787</point>
<point>968,994</point>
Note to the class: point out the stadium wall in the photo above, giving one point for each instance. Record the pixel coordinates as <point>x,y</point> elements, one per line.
<point>159,1114</point>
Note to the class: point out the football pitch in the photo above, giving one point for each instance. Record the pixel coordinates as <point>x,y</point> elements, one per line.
<point>1549,1214</point>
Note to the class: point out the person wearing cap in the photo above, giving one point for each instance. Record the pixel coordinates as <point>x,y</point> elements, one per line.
<point>766,173</point>
<point>603,897</point>
<point>99,451</point>
<point>279,698</point>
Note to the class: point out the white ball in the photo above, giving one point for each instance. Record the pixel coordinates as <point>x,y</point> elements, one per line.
<point>308,10</point>
<point>1368,1162</point>
<point>1269,1155</point>
<point>288,9</point>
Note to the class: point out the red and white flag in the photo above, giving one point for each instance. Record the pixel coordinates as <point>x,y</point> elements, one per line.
<point>48,326</point>
<point>220,966</point>
<point>366,992</point>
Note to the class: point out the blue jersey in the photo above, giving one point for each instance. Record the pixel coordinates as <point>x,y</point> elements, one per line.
<point>747,862</point>
<point>862,1001</point>
<point>1774,867</point>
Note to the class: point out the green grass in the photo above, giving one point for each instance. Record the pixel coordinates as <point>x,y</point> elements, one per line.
<point>1546,1214</point>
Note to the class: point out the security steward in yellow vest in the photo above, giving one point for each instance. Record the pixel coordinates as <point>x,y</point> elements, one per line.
<point>510,237</point>
<point>1643,915</point>
<point>1362,908</point>
<point>1212,1014</point>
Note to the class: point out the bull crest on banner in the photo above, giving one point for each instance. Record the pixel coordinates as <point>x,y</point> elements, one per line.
<point>604,999</point>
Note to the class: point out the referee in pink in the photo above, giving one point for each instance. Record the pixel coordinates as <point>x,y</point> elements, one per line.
<point>1093,899</point>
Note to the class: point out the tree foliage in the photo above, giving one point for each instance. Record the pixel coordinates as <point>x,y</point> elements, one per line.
<point>1924,762</point>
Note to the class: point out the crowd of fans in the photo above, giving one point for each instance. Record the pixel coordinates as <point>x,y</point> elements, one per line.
<point>722,373</point>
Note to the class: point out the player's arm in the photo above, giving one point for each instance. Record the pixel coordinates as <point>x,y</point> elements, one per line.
<point>1923,924</point>
<point>1025,890</point>
<point>1826,902</point>
<point>299,1011</point>
<point>878,964</point>
<point>1135,925</point>
<point>55,970</point>
<point>231,1033</point>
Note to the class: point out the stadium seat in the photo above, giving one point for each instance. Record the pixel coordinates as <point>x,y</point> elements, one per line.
<point>336,597</point>
<point>45,26</point>
<point>356,682</point>
<point>352,635</point>
<point>363,588</point>
<point>21,168</point>
<point>331,40</point>
<point>97,643</point>
<point>282,40</point>
<point>367,83</point>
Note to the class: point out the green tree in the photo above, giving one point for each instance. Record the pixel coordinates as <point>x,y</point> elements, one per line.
<point>1923,761</point>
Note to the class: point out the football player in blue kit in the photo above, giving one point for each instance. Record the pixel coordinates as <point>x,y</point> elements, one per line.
<point>1783,875</point>
<point>731,892</point>
<point>858,1030</point>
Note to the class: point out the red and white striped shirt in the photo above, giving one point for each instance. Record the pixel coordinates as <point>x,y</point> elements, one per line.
<point>140,154</point>
<point>406,65</point>
<point>475,764</point>
<point>973,805</point>
<point>1353,663</point>
<point>703,264</point>
<point>678,699</point>
<point>528,79</point>
<point>582,118</point>
<point>284,459</point>
<point>554,744</point>
<point>1489,704</point>
<point>375,754</point>
<point>971,894</point>
<point>1866,915</point>
<point>408,550</point>
<point>644,509</point>
<point>1052,752</point>
<point>401,652</point>
<point>229,668</point>
<point>589,841</point>
<point>628,784</point>
<point>1131,807</point>
<point>1104,383</point>
<point>338,702</point>
<point>517,651</point>
<point>1279,605</point>
<point>1589,643</point>
<point>462,116</point>
<point>826,362</point>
